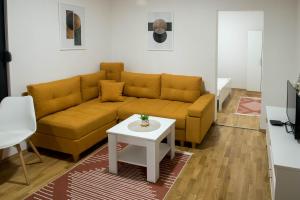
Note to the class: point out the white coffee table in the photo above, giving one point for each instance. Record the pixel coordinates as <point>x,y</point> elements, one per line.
<point>144,148</point>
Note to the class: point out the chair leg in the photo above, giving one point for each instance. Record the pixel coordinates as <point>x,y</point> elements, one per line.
<point>35,150</point>
<point>23,163</point>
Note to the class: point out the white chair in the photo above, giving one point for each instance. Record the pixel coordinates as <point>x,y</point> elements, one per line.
<point>17,124</point>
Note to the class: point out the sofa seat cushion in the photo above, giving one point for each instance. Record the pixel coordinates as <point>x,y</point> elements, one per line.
<point>156,107</point>
<point>141,85</point>
<point>110,106</point>
<point>75,122</point>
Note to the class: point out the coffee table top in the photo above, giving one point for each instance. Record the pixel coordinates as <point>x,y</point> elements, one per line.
<point>122,128</point>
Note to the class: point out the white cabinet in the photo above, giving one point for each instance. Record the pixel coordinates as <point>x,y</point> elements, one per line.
<point>284,158</point>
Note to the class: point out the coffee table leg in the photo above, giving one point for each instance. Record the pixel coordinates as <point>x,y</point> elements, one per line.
<point>112,154</point>
<point>152,161</point>
<point>171,141</point>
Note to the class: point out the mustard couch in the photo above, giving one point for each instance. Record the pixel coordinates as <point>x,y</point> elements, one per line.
<point>71,118</point>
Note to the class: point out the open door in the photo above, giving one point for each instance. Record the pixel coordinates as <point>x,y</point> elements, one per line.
<point>254,61</point>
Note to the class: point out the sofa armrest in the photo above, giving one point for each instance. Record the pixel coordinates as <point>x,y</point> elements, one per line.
<point>197,108</point>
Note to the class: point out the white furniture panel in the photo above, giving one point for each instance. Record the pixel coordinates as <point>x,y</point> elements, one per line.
<point>224,90</point>
<point>284,158</point>
<point>144,148</point>
<point>137,155</point>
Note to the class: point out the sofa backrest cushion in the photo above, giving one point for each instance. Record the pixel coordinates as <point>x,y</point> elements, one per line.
<point>55,96</point>
<point>113,70</point>
<point>141,85</point>
<point>180,88</point>
<point>89,85</point>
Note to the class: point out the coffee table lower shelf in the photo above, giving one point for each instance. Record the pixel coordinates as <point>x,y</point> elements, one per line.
<point>137,155</point>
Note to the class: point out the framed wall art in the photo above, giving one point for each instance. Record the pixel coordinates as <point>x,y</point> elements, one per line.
<point>160,31</point>
<point>72,26</point>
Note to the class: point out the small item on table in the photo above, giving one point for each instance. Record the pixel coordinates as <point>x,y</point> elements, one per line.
<point>145,120</point>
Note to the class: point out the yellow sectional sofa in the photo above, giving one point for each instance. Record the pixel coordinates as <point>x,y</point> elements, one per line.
<point>71,118</point>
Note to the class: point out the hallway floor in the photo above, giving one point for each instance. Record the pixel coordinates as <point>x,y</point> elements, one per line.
<point>228,116</point>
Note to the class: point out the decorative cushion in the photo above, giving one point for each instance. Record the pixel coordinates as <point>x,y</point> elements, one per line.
<point>113,70</point>
<point>180,88</point>
<point>99,86</point>
<point>89,85</point>
<point>141,85</point>
<point>55,96</point>
<point>112,91</point>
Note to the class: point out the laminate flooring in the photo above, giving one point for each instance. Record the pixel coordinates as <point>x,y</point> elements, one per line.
<point>231,163</point>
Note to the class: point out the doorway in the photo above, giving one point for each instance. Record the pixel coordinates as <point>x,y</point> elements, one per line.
<point>4,55</point>
<point>240,62</point>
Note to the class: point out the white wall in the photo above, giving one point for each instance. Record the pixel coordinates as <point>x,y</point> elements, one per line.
<point>298,36</point>
<point>233,30</point>
<point>117,29</point>
<point>33,30</point>
<point>279,62</point>
<point>195,40</point>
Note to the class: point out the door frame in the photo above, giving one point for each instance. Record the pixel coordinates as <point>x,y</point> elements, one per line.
<point>217,55</point>
<point>5,53</point>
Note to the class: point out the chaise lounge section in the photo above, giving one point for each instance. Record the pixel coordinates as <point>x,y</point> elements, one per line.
<point>71,118</point>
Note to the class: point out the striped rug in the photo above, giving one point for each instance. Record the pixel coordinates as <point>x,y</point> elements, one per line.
<point>90,180</point>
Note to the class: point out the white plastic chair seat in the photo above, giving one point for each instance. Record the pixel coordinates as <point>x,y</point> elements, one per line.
<point>13,137</point>
<point>17,124</point>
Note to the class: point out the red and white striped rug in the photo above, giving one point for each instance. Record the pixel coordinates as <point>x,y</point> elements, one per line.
<point>90,180</point>
<point>249,106</point>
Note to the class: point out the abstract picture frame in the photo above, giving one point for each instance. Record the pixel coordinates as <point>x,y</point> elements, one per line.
<point>160,31</point>
<point>71,26</point>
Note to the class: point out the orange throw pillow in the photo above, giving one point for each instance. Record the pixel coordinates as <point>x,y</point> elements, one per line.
<point>99,86</point>
<point>112,91</point>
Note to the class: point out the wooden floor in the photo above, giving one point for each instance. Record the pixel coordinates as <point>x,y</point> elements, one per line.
<point>230,164</point>
<point>227,116</point>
